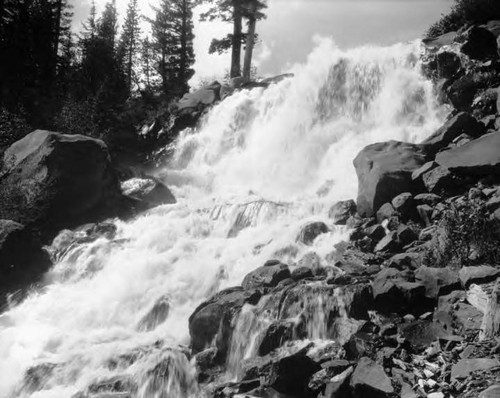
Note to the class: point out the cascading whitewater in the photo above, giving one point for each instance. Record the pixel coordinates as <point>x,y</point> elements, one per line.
<point>263,163</point>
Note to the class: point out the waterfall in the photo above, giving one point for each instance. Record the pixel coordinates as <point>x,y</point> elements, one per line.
<point>262,163</point>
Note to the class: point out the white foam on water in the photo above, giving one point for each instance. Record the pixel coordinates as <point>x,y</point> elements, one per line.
<point>263,163</point>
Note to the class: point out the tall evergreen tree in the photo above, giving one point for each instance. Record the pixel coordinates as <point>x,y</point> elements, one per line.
<point>172,33</point>
<point>130,40</point>
<point>235,11</point>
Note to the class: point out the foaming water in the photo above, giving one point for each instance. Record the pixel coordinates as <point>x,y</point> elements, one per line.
<point>263,163</point>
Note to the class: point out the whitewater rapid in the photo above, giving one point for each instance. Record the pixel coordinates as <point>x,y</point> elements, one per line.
<point>262,163</point>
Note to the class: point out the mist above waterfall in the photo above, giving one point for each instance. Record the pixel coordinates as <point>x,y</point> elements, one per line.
<point>261,164</point>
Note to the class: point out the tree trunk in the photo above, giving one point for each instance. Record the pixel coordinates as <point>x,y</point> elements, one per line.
<point>252,21</point>
<point>236,41</point>
<point>491,320</point>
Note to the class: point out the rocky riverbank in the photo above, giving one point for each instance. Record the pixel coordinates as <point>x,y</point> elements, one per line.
<point>409,306</point>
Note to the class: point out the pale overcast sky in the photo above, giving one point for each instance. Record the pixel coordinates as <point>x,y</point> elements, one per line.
<point>287,34</point>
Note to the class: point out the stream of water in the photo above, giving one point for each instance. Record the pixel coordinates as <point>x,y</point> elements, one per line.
<point>262,163</point>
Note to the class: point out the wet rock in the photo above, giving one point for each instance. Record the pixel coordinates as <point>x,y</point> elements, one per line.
<point>302,273</point>
<point>462,123</point>
<point>370,381</point>
<point>149,192</point>
<point>478,274</point>
<point>266,276</point>
<point>418,174</point>
<point>389,244</point>
<point>478,43</point>
<point>276,335</point>
<point>361,344</point>
<point>464,367</point>
<point>340,212</point>
<point>156,316</point>
<point>311,260</point>
<point>51,181</point>
<point>116,384</point>
<point>311,231</point>
<point>22,259</point>
<point>37,377</point>
<point>385,212</point>
<point>477,158</point>
<point>206,359</point>
<point>384,171</point>
<point>213,319</point>
<point>438,281</point>
<point>287,375</point>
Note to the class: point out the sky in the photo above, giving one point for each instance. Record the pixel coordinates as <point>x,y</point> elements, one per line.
<point>287,35</point>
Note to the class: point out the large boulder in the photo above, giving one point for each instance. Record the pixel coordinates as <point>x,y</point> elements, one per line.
<point>22,259</point>
<point>340,212</point>
<point>214,319</point>
<point>478,43</point>
<point>384,171</point>
<point>448,64</point>
<point>266,276</point>
<point>288,375</point>
<point>52,181</point>
<point>392,291</point>
<point>462,123</point>
<point>477,158</point>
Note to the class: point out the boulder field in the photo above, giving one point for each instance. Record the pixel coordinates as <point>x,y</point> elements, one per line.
<point>408,307</point>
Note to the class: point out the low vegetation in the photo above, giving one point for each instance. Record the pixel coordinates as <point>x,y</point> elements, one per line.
<point>467,235</point>
<point>463,13</point>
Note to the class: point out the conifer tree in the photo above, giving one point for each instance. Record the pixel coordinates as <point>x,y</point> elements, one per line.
<point>172,33</point>
<point>130,41</point>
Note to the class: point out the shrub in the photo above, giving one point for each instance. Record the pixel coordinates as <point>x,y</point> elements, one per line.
<point>13,127</point>
<point>465,12</point>
<point>466,235</point>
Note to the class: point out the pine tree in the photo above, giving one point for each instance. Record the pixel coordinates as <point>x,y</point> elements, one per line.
<point>235,11</point>
<point>130,41</point>
<point>90,25</point>
<point>172,33</point>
